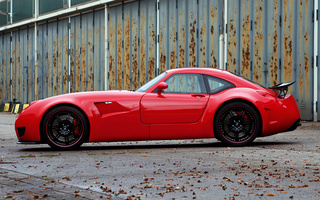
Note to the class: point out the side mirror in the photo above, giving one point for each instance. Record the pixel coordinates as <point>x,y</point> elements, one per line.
<point>162,86</point>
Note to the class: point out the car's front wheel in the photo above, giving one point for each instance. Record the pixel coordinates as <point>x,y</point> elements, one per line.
<point>65,127</point>
<point>237,124</point>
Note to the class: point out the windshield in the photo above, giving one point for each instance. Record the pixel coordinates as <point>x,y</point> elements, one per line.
<point>146,86</point>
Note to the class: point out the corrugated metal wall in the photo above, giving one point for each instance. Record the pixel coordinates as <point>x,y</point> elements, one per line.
<point>23,65</point>
<point>189,33</point>
<point>52,71</point>
<point>132,44</point>
<point>5,70</point>
<point>268,41</point>
<point>87,69</point>
<point>271,41</point>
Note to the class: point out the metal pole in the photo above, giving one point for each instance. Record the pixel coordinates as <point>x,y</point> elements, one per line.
<point>315,67</point>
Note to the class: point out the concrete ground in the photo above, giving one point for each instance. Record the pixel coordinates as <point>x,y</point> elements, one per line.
<point>283,166</point>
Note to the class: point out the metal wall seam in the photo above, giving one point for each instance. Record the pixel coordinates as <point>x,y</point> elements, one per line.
<point>11,64</point>
<point>106,47</point>
<point>316,61</point>
<point>35,53</point>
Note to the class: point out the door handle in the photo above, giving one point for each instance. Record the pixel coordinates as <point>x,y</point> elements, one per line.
<point>198,95</point>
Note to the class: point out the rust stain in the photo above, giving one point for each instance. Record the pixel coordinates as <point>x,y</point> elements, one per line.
<point>78,61</point>
<point>273,61</point>
<point>151,60</point>
<point>65,67</point>
<point>72,65</point>
<point>287,54</point>
<point>173,40</point>
<point>90,61</point>
<point>119,54</point>
<point>258,43</point>
<point>112,50</point>
<point>135,83</point>
<point>245,41</point>
<point>54,66</point>
<point>203,38</point>
<point>192,42</point>
<point>213,23</point>
<point>60,64</point>
<point>84,78</point>
<point>232,45</point>
<point>203,45</point>
<point>143,57</point>
<point>182,40</point>
<point>127,43</point>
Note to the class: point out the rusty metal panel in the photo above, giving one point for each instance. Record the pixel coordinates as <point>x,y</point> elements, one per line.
<point>271,42</point>
<point>233,39</point>
<point>62,56</point>
<point>23,65</point>
<point>42,69</point>
<point>240,37</point>
<point>132,44</point>
<point>16,64</point>
<point>98,50</point>
<point>210,25</point>
<point>52,58</point>
<point>272,13</point>
<point>130,25</point>
<point>192,31</point>
<point>115,47</point>
<point>87,52</point>
<point>189,33</point>
<point>148,30</point>
<point>298,52</point>
<point>168,34</point>
<point>112,45</point>
<point>75,50</point>
<point>5,71</point>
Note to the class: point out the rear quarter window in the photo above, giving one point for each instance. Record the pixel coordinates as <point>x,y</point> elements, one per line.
<point>216,85</point>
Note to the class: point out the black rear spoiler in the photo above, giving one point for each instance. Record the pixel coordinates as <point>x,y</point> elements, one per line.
<point>282,88</point>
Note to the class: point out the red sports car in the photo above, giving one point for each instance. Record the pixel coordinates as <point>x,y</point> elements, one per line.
<point>178,104</point>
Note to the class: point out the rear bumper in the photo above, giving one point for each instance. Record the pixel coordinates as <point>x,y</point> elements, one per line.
<point>294,126</point>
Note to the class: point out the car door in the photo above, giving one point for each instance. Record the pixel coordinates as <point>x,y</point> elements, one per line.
<point>183,102</point>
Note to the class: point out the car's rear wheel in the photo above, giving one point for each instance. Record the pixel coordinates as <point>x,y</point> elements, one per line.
<point>237,124</point>
<point>65,128</point>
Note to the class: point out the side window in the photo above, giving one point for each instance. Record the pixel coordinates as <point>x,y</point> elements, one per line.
<point>217,85</point>
<point>186,83</point>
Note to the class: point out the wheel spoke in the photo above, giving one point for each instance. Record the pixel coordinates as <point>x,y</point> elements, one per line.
<point>229,122</point>
<point>55,127</point>
<point>58,118</point>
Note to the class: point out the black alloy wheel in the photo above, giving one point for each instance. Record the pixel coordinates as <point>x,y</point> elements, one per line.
<point>65,128</point>
<point>237,124</point>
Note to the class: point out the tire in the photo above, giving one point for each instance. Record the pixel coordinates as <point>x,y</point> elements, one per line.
<point>237,124</point>
<point>65,128</point>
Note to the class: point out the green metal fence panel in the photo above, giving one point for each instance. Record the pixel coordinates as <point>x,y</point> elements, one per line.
<point>22,9</point>
<point>75,2</point>
<point>3,16</point>
<point>46,6</point>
